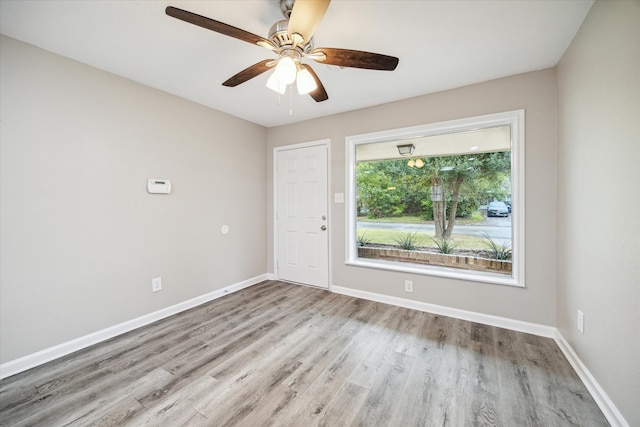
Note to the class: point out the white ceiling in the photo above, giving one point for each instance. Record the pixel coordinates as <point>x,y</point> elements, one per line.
<point>441,45</point>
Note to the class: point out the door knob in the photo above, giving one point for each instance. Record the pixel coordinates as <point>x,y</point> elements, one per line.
<point>324,227</point>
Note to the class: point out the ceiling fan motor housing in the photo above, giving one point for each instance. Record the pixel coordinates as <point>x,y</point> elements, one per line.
<point>279,36</point>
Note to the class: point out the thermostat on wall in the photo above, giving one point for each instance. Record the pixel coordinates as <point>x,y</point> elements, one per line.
<point>159,186</point>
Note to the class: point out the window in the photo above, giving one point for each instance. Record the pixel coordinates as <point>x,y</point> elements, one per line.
<point>443,199</point>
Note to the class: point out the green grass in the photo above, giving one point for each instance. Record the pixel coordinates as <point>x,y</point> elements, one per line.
<point>425,239</point>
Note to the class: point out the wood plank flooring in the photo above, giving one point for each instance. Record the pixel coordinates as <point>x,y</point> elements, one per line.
<point>286,355</point>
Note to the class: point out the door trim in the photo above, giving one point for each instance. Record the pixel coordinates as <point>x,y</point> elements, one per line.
<point>317,143</point>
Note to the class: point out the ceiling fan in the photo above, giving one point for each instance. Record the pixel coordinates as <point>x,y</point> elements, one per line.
<point>292,40</point>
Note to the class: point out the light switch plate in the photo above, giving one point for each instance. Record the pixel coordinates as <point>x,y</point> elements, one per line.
<point>338,197</point>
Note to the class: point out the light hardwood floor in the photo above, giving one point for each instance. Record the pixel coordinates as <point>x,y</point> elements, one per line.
<point>288,355</point>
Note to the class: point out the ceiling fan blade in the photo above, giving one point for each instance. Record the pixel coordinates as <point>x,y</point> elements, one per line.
<point>355,59</point>
<point>217,26</point>
<point>319,94</point>
<point>249,73</point>
<point>305,18</point>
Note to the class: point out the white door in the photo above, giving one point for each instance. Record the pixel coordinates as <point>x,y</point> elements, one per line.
<point>301,215</point>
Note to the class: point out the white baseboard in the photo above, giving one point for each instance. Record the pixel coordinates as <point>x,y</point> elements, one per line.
<point>607,407</point>
<point>485,319</point>
<point>32,360</point>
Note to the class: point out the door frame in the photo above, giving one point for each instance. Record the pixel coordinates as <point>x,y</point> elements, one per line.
<point>276,150</point>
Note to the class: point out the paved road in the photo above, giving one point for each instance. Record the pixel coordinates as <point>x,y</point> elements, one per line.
<point>498,228</point>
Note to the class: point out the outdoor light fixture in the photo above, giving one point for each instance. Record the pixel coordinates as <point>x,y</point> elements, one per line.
<point>406,149</point>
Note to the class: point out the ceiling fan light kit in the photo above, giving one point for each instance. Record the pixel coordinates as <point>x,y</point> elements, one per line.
<point>276,85</point>
<point>417,163</point>
<point>305,82</point>
<point>286,70</point>
<point>292,40</point>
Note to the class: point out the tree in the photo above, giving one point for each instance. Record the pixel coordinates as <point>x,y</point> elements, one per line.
<point>448,173</point>
<point>391,187</point>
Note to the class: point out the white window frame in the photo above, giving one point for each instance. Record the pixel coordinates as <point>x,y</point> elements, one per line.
<point>514,119</point>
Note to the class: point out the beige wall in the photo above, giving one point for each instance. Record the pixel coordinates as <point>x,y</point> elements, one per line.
<point>81,238</point>
<point>599,199</point>
<point>536,93</point>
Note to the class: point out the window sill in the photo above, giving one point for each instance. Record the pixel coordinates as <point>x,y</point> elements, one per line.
<point>451,273</point>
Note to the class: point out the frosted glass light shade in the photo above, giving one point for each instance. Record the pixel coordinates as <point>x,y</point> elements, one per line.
<point>286,70</point>
<point>275,84</point>
<point>305,82</point>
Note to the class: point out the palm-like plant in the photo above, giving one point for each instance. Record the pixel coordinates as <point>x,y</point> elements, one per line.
<point>500,252</point>
<point>445,245</point>
<point>363,240</point>
<point>407,241</point>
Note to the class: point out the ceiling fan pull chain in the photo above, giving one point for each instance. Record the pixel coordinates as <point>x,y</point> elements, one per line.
<point>290,102</point>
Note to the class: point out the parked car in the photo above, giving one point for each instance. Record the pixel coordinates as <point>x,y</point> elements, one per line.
<point>497,209</point>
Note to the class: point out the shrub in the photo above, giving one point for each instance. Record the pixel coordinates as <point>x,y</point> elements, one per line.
<point>363,240</point>
<point>465,209</point>
<point>407,241</point>
<point>445,246</point>
<point>427,210</point>
<point>500,252</point>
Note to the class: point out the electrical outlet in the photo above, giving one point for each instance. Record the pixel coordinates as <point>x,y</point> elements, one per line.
<point>580,322</point>
<point>156,284</point>
<point>408,285</point>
